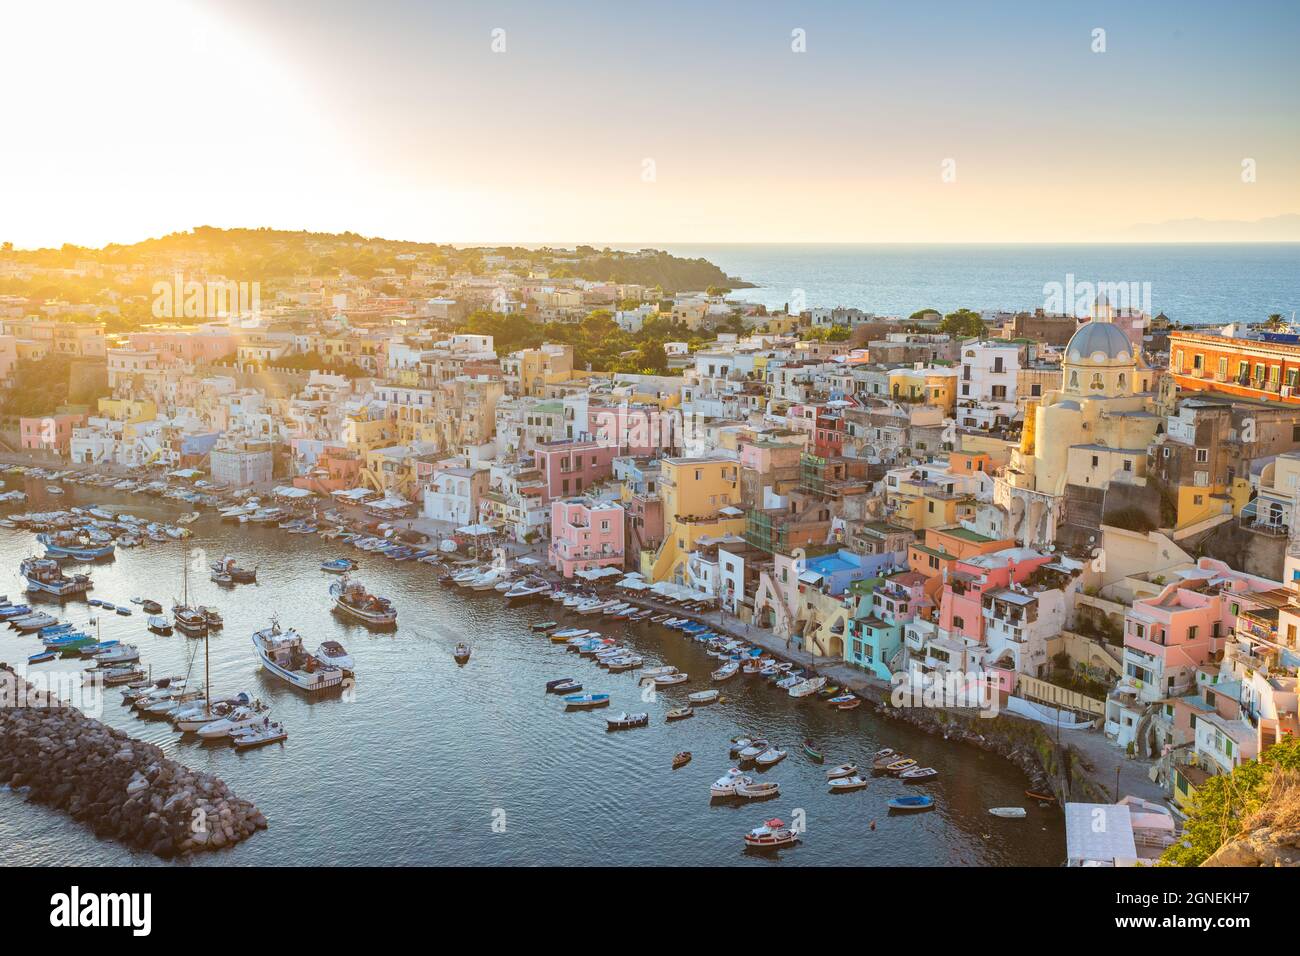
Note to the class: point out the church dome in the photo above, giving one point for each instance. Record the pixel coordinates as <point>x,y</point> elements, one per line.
<point>1099,343</point>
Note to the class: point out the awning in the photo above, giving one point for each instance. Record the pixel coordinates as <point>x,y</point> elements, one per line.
<point>633,583</point>
<point>285,491</point>
<point>476,530</point>
<point>810,577</point>
<point>595,574</point>
<point>354,494</point>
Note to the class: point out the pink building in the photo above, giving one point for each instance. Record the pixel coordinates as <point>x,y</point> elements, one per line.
<point>960,601</point>
<point>49,432</point>
<point>186,346</point>
<point>640,430</point>
<point>585,534</point>
<point>573,467</point>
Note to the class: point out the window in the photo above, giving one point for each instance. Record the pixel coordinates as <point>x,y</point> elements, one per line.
<point>1036,389</point>
<point>1128,464</point>
<point>1202,455</point>
<point>958,623</point>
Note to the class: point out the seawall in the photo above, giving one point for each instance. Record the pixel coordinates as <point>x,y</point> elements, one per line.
<point>121,788</point>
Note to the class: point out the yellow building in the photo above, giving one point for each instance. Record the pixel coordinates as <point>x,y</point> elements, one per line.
<point>128,409</point>
<point>928,386</point>
<point>701,499</point>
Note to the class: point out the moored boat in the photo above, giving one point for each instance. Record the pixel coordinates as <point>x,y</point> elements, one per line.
<point>1008,813</point>
<point>725,786</point>
<point>586,700</point>
<point>917,774</point>
<point>351,598</point>
<point>625,720</point>
<point>699,697</point>
<point>680,713</point>
<point>461,653</point>
<point>843,770</point>
<point>758,790</point>
<point>282,654</point>
<point>843,784</point>
<point>681,759</point>
<point>772,835</point>
<point>911,804</point>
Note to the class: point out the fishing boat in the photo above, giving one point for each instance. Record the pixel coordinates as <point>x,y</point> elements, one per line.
<point>352,599</point>
<point>725,672</point>
<point>212,617</point>
<point>761,790</point>
<point>584,701</point>
<point>667,680</point>
<point>527,589</point>
<point>125,674</point>
<point>853,704</point>
<point>569,686</point>
<point>1008,813</point>
<point>813,753</point>
<point>336,655</point>
<point>843,770</point>
<point>882,760</point>
<point>809,686</point>
<point>282,654</point>
<point>845,784</point>
<point>650,673</point>
<point>41,657</point>
<point>461,653</point>
<point>119,654</point>
<point>910,804</point>
<point>338,565</point>
<point>188,620</point>
<point>259,735</point>
<point>770,757</point>
<point>840,699</point>
<point>150,607</point>
<point>898,766</point>
<point>725,786</point>
<point>699,697</point>
<point>44,576</point>
<point>552,684</point>
<point>70,544</point>
<point>625,721</point>
<point>680,713</point>
<point>772,835</point>
<point>917,774</point>
<point>681,759</point>
<point>227,567</point>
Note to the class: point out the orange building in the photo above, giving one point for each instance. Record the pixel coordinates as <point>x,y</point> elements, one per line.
<point>1248,368</point>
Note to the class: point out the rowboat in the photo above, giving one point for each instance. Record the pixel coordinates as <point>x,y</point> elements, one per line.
<point>841,699</point>
<point>624,721</point>
<point>843,770</point>
<point>42,657</point>
<point>541,626</point>
<point>566,687</point>
<point>763,790</point>
<point>587,700</point>
<point>666,680</point>
<point>681,759</point>
<point>679,713</point>
<point>771,835</point>
<point>911,804</point>
<point>726,671</point>
<point>770,757</point>
<point>850,705</point>
<point>1040,797</point>
<point>844,784</point>
<point>752,749</point>
<point>898,766</point>
<point>701,697</point>
<point>1009,813</point>
<point>552,684</point>
<point>917,774</point>
<point>813,753</point>
<point>461,653</point>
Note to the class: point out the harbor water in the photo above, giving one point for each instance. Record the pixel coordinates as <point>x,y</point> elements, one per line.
<point>426,762</point>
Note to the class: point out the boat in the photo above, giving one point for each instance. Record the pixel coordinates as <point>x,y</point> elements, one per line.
<point>150,607</point>
<point>461,653</point>
<point>282,654</point>
<point>624,721</point>
<point>70,544</point>
<point>751,749</point>
<point>338,565</point>
<point>844,784</point>
<point>227,568</point>
<point>44,576</point>
<point>41,657</point>
<point>121,654</point>
<point>1040,797</point>
<point>898,766</point>
<point>681,759</point>
<point>1008,813</point>
<point>123,611</point>
<point>761,790</point>
<point>813,753</point>
<point>699,697</point>
<point>853,704</point>
<point>239,718</point>
<point>772,835</point>
<point>586,700</point>
<point>212,617</point>
<point>725,786</point>
<point>552,684</point>
<point>911,804</point>
<point>680,713</point>
<point>809,686</point>
<point>543,626</point>
<point>843,770</point>
<point>917,774</point>
<point>352,599</point>
<point>726,671</point>
<point>188,620</point>
<point>335,654</point>
<point>566,687</point>
<point>770,757</point>
<point>667,680</point>
<point>527,589</point>
<point>882,761</point>
<point>840,699</point>
<point>258,735</point>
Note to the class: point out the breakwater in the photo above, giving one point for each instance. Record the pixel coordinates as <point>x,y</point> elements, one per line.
<point>121,788</point>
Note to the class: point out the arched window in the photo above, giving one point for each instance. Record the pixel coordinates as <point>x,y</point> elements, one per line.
<point>1122,381</point>
<point>1074,379</point>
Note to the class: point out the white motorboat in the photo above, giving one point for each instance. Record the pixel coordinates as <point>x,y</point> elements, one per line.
<point>853,782</point>
<point>763,790</point>
<point>752,749</point>
<point>843,770</point>
<point>267,732</point>
<point>592,606</point>
<point>120,654</point>
<point>668,680</point>
<point>725,786</point>
<point>488,579</point>
<point>527,589</point>
<point>652,672</point>
<point>1009,813</point>
<point>282,654</point>
<point>726,671</point>
<point>770,757</point>
<point>810,686</point>
<point>334,653</point>
<point>240,717</point>
<point>703,697</point>
<point>771,835</point>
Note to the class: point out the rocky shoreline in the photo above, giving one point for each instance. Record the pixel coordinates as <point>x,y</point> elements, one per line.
<point>121,788</point>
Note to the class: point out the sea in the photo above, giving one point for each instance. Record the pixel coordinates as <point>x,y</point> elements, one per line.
<point>426,762</point>
<point>1192,284</point>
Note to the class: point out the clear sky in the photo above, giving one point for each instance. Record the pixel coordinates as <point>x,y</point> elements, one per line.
<point>657,122</point>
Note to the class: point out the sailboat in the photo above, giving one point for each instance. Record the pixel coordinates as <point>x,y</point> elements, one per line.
<point>189,620</point>
<point>204,713</point>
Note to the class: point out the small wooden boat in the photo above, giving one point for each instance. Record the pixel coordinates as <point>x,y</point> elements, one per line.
<point>1040,797</point>
<point>42,657</point>
<point>542,626</point>
<point>1008,813</point>
<point>551,685</point>
<point>567,687</point>
<point>626,721</point>
<point>917,774</point>
<point>680,713</point>
<point>843,770</point>
<point>841,699</point>
<point>587,700</point>
<point>853,704</point>
<point>752,749</point>
<point>681,759</point>
<point>845,784</point>
<point>813,753</point>
<point>898,766</point>
<point>763,790</point>
<point>911,804</point>
<point>881,763</point>
<point>667,680</point>
<point>770,757</point>
<point>461,653</point>
<point>771,835</point>
<point>700,697</point>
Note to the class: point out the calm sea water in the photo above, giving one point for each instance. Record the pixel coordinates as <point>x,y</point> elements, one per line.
<point>1199,284</point>
<point>418,767</point>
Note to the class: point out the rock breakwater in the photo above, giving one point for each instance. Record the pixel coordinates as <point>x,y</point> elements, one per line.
<point>122,788</point>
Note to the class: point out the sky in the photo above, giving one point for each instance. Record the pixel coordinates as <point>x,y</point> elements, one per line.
<point>611,122</point>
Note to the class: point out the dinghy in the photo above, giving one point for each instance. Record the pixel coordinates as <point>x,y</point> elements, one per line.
<point>844,784</point>
<point>764,790</point>
<point>917,774</point>
<point>911,804</point>
<point>679,713</point>
<point>701,697</point>
<point>586,700</point>
<point>1009,813</point>
<point>771,835</point>
<point>843,770</point>
<point>681,759</point>
<point>770,757</point>
<point>625,721</point>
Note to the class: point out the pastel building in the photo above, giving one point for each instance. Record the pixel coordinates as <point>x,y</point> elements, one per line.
<point>573,467</point>
<point>585,534</point>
